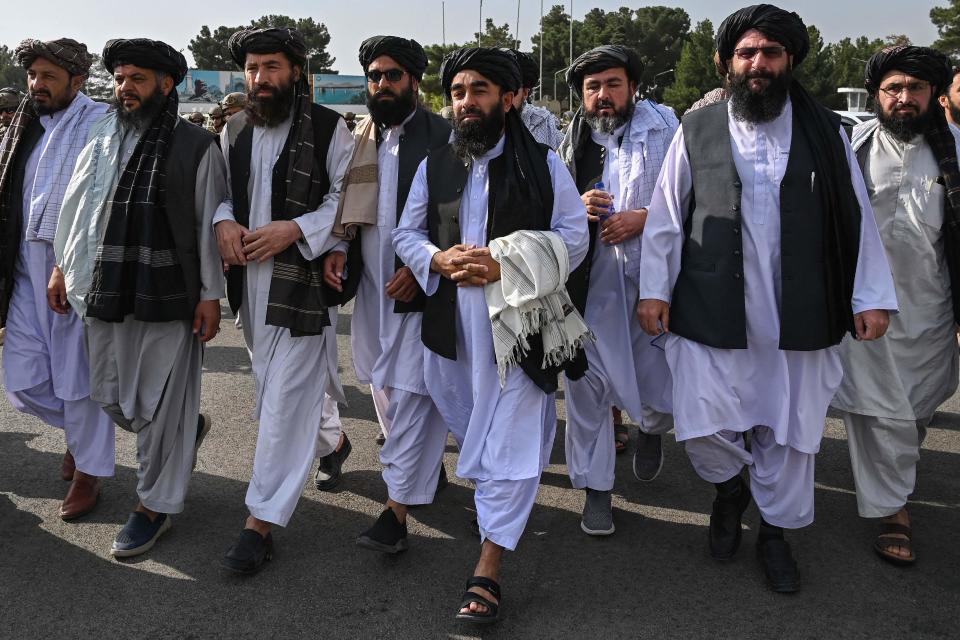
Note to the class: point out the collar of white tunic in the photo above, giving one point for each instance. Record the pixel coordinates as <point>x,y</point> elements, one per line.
<point>609,140</point>
<point>778,128</point>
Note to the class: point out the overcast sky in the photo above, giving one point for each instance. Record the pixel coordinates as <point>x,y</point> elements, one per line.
<point>349,22</point>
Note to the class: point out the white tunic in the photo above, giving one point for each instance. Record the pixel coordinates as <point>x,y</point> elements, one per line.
<point>506,432</point>
<point>913,369</point>
<point>736,389</point>
<point>387,350</point>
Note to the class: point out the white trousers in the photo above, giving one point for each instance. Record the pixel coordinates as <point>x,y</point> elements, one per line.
<point>883,453</point>
<point>781,478</point>
<point>381,403</point>
<point>589,440</point>
<point>413,452</point>
<point>89,432</point>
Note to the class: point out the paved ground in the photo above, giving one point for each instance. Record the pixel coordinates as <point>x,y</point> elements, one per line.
<point>652,579</point>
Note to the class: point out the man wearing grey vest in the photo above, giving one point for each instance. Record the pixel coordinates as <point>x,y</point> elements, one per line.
<point>892,387</point>
<point>759,253</point>
<point>138,259</point>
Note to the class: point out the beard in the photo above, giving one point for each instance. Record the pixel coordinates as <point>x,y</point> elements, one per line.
<point>388,112</point>
<point>609,124</point>
<point>954,111</point>
<point>53,104</point>
<point>269,111</point>
<point>763,106</point>
<point>474,138</point>
<point>908,126</point>
<point>141,117</point>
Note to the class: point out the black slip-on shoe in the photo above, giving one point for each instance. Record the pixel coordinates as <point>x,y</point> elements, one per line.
<point>783,575</point>
<point>249,553</point>
<point>331,467</point>
<point>387,534</point>
<point>725,523</point>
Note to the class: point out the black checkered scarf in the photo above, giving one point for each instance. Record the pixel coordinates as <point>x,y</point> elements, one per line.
<point>296,300</point>
<point>8,152</point>
<point>137,270</point>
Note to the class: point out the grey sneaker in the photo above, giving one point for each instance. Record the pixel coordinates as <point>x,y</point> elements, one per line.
<point>597,514</point>
<point>648,456</point>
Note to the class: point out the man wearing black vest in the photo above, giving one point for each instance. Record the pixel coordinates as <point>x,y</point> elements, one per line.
<point>621,143</point>
<point>493,179</point>
<point>137,257</point>
<point>385,327</point>
<point>759,253</point>
<point>286,158</point>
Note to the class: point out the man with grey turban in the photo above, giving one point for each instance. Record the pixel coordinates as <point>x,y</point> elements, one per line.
<point>386,322</point>
<point>137,258</point>
<point>9,101</point>
<point>45,367</point>
<point>614,149</point>
<point>286,158</point>
<point>544,126</point>
<point>755,268</point>
<point>492,180</point>
<point>892,387</point>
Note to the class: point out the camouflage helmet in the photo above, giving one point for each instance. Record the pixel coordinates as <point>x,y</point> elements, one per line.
<point>237,100</point>
<point>196,117</point>
<point>216,112</point>
<point>9,98</point>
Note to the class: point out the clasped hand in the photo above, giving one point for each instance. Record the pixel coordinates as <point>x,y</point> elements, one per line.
<point>467,265</point>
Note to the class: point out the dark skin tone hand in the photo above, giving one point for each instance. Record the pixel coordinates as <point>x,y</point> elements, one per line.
<point>466,265</point>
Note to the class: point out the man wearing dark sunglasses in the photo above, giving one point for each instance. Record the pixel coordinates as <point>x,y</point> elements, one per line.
<point>9,101</point>
<point>892,387</point>
<point>386,323</point>
<point>759,254</point>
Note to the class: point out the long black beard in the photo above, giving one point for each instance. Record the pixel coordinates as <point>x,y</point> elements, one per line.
<point>905,129</point>
<point>272,111</point>
<point>141,117</point>
<point>760,107</point>
<point>390,113</point>
<point>474,138</point>
<point>609,124</point>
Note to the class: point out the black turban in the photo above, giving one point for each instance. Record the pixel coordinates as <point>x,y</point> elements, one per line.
<point>408,53</point>
<point>497,65</point>
<point>785,27</point>
<point>268,40</point>
<point>529,68</point>
<point>65,53</point>
<point>920,62</point>
<point>146,53</point>
<point>608,56</point>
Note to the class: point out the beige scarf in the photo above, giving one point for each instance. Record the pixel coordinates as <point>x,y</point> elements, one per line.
<point>359,196</point>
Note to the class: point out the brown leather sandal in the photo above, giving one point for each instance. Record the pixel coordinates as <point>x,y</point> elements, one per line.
<point>889,538</point>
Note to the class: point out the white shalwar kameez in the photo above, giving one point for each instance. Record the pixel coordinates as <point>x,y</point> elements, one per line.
<point>781,395</point>
<point>505,433</point>
<point>892,387</point>
<point>626,368</point>
<point>291,374</point>
<point>46,372</point>
<point>388,352</point>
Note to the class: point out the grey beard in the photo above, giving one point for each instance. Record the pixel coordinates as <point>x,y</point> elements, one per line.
<point>609,124</point>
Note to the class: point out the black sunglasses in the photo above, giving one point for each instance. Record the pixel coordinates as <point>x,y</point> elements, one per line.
<point>392,75</point>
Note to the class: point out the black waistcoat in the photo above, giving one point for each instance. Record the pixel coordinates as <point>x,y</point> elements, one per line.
<point>240,152</point>
<point>708,303</point>
<point>447,176</point>
<point>590,165</point>
<point>12,233</point>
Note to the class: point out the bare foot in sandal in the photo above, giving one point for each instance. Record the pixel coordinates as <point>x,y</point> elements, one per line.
<point>894,542</point>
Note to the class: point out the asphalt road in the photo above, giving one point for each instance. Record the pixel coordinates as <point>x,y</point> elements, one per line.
<point>652,579</point>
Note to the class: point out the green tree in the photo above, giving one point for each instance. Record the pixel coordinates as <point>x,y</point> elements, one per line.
<point>816,71</point>
<point>210,49</point>
<point>695,73</point>
<point>11,74</point>
<point>947,21</point>
<point>556,47</point>
<point>99,83</point>
<point>494,36</point>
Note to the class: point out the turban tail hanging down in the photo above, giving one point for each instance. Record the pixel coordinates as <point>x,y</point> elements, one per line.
<point>146,53</point>
<point>529,69</point>
<point>268,40</point>
<point>65,53</point>
<point>601,58</point>
<point>407,53</point>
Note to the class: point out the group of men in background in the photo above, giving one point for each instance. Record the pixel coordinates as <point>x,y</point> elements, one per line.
<point>729,275</point>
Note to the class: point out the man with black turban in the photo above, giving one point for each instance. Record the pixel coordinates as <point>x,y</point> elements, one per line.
<point>485,191</point>
<point>386,321</point>
<point>892,387</point>
<point>544,126</point>
<point>45,368</point>
<point>286,158</point>
<point>950,101</point>
<point>137,258</point>
<point>755,267</point>
<point>614,149</point>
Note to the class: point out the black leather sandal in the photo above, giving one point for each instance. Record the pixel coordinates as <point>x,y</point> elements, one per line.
<point>493,608</point>
<point>889,538</point>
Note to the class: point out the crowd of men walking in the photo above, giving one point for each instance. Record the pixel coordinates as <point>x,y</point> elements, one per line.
<point>728,276</point>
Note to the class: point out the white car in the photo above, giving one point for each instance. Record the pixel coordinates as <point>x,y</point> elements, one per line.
<point>853,118</point>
